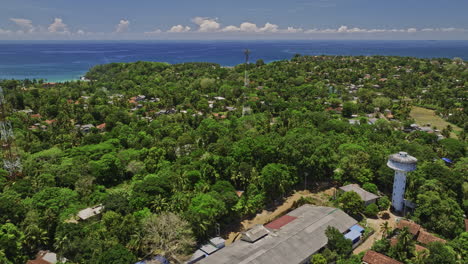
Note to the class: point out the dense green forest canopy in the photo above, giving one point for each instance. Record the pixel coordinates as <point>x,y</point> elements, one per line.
<point>157,143</point>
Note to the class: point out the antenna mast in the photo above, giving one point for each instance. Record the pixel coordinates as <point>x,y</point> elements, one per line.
<point>11,160</point>
<point>246,77</point>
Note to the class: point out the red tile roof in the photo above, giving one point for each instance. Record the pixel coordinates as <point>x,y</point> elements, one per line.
<point>412,227</point>
<point>426,238</point>
<point>394,241</point>
<point>50,122</point>
<point>420,248</point>
<point>101,126</point>
<point>372,257</point>
<point>280,222</point>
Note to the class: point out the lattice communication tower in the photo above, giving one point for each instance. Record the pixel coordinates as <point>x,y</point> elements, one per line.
<point>11,159</point>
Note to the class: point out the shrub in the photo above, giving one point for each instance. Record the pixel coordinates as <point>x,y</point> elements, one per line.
<point>371,210</point>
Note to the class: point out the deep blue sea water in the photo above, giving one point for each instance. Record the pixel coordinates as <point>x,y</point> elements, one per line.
<point>59,61</point>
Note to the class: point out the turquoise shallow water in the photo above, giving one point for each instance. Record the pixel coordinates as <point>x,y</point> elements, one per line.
<point>59,61</point>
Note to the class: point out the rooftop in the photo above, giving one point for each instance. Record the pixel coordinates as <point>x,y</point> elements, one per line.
<point>372,257</point>
<point>280,222</point>
<point>412,227</point>
<point>89,212</point>
<point>46,257</point>
<point>299,235</point>
<point>403,157</point>
<point>365,195</point>
<point>426,238</point>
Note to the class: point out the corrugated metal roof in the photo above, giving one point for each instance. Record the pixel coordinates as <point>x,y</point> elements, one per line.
<point>365,195</point>
<point>255,233</point>
<point>353,235</point>
<point>218,242</point>
<point>293,243</point>
<point>357,228</point>
<point>209,249</point>
<point>280,222</point>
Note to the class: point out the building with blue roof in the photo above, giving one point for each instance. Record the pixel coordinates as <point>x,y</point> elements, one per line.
<point>355,233</point>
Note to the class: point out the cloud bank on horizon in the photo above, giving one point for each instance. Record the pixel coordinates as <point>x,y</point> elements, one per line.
<point>206,27</point>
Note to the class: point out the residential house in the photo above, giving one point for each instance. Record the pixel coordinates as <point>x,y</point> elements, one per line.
<point>372,257</point>
<point>366,196</point>
<point>46,257</point>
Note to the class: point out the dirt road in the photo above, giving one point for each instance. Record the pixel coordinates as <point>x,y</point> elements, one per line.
<point>375,224</point>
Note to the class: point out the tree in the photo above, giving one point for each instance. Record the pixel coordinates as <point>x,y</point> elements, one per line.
<point>371,210</point>
<point>370,187</point>
<point>349,108</point>
<point>460,245</point>
<point>108,170</point>
<point>276,180</point>
<point>204,211</point>
<point>337,242</point>
<point>454,149</point>
<point>318,259</point>
<point>224,191</point>
<point>259,63</point>
<point>167,235</point>
<point>351,203</point>
<point>438,213</point>
<point>353,259</point>
<point>420,257</point>
<point>385,229</point>
<point>440,254</point>
<point>11,208</point>
<point>117,254</point>
<point>405,247</point>
<point>383,203</point>
<point>381,246</point>
<point>382,103</point>
<point>11,240</point>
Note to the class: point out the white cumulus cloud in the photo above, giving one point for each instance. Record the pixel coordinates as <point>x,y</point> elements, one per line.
<point>156,31</point>
<point>272,28</point>
<point>3,31</point>
<point>123,26</point>
<point>179,29</point>
<point>251,27</point>
<point>25,24</point>
<point>58,26</point>
<point>206,24</point>
<point>294,30</point>
<point>230,29</point>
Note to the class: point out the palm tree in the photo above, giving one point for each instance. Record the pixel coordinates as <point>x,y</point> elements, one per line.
<point>404,249</point>
<point>385,229</point>
<point>420,257</point>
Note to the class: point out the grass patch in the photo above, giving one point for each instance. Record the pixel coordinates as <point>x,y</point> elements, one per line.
<point>423,116</point>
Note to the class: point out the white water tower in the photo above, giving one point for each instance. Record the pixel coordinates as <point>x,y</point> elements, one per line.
<point>401,163</point>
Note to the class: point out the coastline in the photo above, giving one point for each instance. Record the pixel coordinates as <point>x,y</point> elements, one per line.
<point>62,61</point>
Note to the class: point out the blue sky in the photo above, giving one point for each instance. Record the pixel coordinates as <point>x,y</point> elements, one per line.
<point>240,19</point>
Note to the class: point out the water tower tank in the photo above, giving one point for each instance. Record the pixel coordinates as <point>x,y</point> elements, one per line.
<point>401,163</point>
